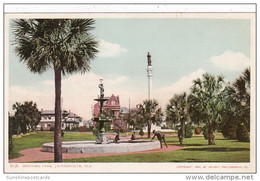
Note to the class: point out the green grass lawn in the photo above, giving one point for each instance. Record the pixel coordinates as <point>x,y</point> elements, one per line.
<point>196,149</point>
<point>36,139</point>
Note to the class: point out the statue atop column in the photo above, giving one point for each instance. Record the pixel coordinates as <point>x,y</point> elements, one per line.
<point>101,87</point>
<point>149,60</point>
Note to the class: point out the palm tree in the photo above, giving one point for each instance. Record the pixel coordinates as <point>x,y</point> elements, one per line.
<point>64,45</point>
<point>206,98</point>
<point>177,110</point>
<point>151,113</point>
<point>241,97</point>
<point>238,100</point>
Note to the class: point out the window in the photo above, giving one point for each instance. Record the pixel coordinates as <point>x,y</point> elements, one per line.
<point>113,103</point>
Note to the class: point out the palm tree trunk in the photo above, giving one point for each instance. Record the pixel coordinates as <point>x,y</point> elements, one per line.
<point>149,129</point>
<point>57,130</point>
<point>182,131</point>
<point>211,135</point>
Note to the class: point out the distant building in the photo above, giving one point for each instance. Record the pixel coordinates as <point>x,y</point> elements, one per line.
<point>69,119</point>
<point>112,105</point>
<point>124,110</point>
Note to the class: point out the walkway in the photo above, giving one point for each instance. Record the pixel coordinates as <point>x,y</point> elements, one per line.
<point>35,154</point>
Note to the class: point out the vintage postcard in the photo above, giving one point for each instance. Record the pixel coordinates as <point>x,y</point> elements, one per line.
<point>166,88</point>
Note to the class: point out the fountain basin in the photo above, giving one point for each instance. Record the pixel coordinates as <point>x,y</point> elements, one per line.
<point>92,147</point>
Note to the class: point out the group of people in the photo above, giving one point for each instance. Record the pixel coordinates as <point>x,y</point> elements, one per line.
<point>117,137</point>
<point>160,136</point>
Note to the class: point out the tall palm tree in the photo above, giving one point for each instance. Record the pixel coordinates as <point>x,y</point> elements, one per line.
<point>64,45</point>
<point>238,100</point>
<point>151,113</point>
<point>177,110</point>
<point>241,97</point>
<point>206,98</point>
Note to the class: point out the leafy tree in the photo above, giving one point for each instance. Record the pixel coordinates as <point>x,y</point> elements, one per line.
<point>10,134</point>
<point>134,119</point>
<point>236,119</point>
<point>188,130</point>
<point>242,133</point>
<point>177,112</point>
<point>64,45</point>
<point>206,99</point>
<point>26,116</point>
<point>150,113</point>
<point>120,126</point>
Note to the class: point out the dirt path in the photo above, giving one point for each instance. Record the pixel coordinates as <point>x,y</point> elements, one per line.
<point>35,154</point>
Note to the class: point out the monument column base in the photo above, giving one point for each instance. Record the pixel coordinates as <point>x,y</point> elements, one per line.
<point>102,139</point>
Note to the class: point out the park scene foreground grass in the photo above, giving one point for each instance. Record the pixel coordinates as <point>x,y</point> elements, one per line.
<point>195,149</point>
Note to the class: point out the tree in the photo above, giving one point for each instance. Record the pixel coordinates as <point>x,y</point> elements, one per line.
<point>206,98</point>
<point>236,123</point>
<point>240,94</point>
<point>177,112</point>
<point>26,116</point>
<point>150,113</point>
<point>119,126</point>
<point>10,134</point>
<point>64,45</point>
<point>134,119</point>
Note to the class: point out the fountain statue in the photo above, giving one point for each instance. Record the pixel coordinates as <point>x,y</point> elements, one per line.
<point>101,119</point>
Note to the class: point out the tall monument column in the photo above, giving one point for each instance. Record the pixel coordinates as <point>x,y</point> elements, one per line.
<point>149,75</point>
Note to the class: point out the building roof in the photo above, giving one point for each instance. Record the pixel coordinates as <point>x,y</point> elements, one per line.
<point>47,112</point>
<point>52,112</point>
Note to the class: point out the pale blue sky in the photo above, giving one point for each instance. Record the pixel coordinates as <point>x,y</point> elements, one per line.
<point>179,47</point>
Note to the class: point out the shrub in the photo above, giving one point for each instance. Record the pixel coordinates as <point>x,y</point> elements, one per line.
<point>82,128</point>
<point>90,128</point>
<point>74,129</point>
<point>205,132</point>
<point>228,126</point>
<point>230,132</point>
<point>198,130</point>
<point>242,133</point>
<point>51,129</point>
<point>119,126</point>
<point>67,128</point>
<point>141,132</point>
<point>95,131</point>
<point>188,130</point>
<point>41,128</point>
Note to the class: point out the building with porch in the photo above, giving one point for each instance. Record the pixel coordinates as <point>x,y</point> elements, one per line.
<point>69,119</point>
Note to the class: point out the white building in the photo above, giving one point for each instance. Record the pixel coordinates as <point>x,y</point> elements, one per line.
<point>69,119</point>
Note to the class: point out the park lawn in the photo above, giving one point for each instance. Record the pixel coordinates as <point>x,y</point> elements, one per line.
<point>196,149</point>
<point>36,139</point>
